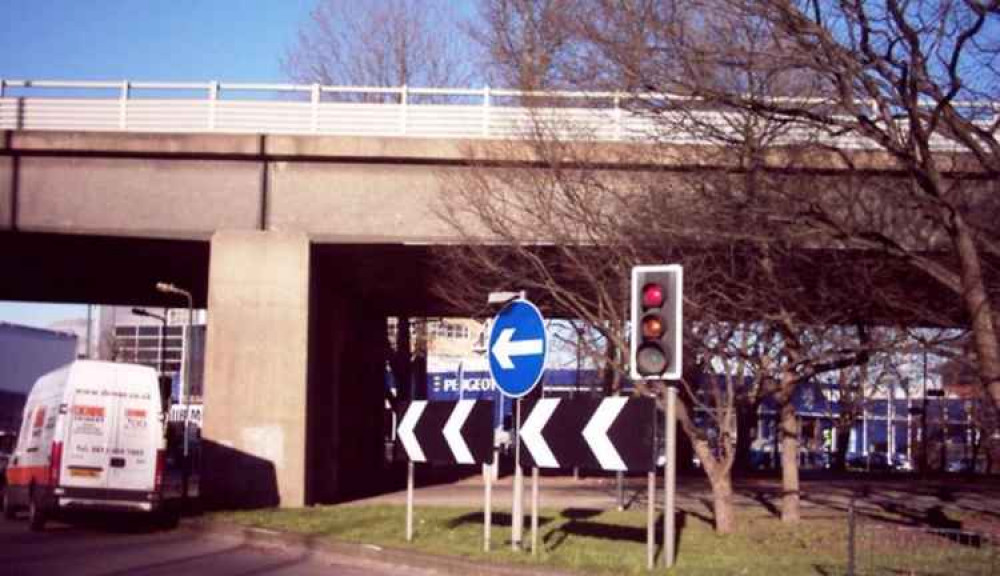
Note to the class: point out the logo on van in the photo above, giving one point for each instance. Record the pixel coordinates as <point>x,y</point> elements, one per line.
<point>39,417</point>
<point>135,418</point>
<point>96,412</point>
<point>88,420</point>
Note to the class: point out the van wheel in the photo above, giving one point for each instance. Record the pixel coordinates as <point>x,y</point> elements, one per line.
<point>168,516</point>
<point>9,513</point>
<point>36,514</point>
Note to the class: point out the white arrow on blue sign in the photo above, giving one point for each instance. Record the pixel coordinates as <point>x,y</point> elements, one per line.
<point>517,349</point>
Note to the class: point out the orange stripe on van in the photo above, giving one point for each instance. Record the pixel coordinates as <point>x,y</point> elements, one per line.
<point>23,475</point>
<point>88,411</point>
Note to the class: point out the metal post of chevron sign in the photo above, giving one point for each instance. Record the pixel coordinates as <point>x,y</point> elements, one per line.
<point>614,434</point>
<point>456,433</point>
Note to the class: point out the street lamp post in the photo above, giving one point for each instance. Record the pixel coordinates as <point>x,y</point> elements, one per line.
<point>163,334</point>
<point>167,288</point>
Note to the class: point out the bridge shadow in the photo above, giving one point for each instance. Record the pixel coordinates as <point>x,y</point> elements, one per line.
<point>234,480</point>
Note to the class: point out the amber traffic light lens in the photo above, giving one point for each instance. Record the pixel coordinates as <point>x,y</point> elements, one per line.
<point>652,296</point>
<point>652,327</point>
<point>650,360</point>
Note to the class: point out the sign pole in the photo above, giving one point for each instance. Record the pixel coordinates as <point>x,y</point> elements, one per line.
<point>670,476</point>
<point>409,501</point>
<point>487,505</point>
<point>651,519</point>
<point>534,510</point>
<point>517,352</point>
<point>517,520</point>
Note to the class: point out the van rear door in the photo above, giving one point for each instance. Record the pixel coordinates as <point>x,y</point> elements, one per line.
<point>89,420</point>
<point>137,433</point>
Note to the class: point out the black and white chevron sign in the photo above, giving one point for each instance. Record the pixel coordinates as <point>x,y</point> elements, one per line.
<point>447,432</point>
<point>615,433</point>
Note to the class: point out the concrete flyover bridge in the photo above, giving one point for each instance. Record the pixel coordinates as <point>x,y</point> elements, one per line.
<point>300,216</point>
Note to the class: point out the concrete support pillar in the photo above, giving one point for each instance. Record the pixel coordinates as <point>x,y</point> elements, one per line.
<point>256,370</point>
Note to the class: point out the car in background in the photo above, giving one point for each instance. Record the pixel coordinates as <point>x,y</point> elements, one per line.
<point>901,463</point>
<point>856,461</point>
<point>963,466</point>
<point>4,459</point>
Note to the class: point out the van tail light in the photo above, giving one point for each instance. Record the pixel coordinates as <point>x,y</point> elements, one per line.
<point>161,462</point>
<point>55,463</point>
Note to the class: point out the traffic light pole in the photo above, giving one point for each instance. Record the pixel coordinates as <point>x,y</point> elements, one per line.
<point>670,477</point>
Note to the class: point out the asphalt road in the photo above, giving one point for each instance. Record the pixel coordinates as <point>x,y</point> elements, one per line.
<point>110,546</point>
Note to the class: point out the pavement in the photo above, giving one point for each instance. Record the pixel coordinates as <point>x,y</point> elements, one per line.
<point>365,556</point>
<point>823,494</point>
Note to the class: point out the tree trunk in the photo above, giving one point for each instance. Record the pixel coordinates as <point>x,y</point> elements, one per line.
<point>721,481</point>
<point>843,432</point>
<point>746,424</point>
<point>789,432</point>
<point>979,307</point>
<point>722,505</point>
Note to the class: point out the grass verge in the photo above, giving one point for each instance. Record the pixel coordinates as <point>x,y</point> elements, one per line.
<point>585,541</point>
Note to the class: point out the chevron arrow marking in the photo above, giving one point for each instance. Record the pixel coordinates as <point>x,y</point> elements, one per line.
<point>453,432</point>
<point>410,444</point>
<point>596,433</point>
<point>531,433</point>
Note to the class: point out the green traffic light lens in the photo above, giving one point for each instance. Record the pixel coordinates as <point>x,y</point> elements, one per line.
<point>650,360</point>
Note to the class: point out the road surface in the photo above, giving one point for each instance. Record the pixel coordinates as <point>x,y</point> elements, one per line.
<point>115,546</point>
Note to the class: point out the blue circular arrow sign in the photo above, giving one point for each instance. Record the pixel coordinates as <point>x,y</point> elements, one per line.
<point>517,349</point>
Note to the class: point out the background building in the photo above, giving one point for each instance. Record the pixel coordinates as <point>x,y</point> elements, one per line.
<point>25,354</point>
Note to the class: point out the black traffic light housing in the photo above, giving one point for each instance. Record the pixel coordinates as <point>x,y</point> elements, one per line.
<point>655,348</point>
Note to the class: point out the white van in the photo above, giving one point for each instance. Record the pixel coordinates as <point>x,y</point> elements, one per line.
<point>92,437</point>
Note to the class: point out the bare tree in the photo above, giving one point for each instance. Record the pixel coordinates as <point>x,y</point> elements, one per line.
<point>526,43</point>
<point>916,80</point>
<point>381,43</point>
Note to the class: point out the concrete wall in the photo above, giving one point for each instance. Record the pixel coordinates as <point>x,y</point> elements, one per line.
<point>7,174</point>
<point>175,198</point>
<point>346,393</point>
<point>354,202</point>
<point>256,369</point>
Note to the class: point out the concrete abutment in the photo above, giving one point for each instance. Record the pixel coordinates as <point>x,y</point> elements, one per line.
<point>294,377</point>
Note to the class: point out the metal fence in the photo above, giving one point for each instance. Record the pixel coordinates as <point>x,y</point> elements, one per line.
<point>376,111</point>
<point>882,549</point>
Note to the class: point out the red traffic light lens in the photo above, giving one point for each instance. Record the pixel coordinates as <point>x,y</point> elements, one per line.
<point>652,296</point>
<point>652,327</point>
<point>650,360</point>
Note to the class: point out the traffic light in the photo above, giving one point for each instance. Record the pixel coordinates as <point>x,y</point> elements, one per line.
<point>655,349</point>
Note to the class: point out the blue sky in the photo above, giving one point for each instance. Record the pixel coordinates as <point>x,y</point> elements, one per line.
<point>168,40</point>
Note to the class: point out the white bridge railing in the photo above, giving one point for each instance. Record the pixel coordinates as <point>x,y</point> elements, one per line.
<point>308,109</point>
<point>362,111</point>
